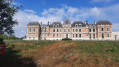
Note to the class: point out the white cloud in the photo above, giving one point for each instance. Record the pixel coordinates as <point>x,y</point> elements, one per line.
<point>29,11</point>
<point>58,14</point>
<point>98,1</point>
<point>14,3</point>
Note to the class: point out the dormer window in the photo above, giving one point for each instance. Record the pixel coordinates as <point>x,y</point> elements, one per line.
<point>80,25</point>
<point>76,25</point>
<point>57,25</point>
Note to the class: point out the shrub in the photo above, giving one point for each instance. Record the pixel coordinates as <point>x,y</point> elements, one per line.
<point>66,39</point>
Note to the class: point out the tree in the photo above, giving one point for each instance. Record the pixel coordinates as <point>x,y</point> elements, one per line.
<point>7,11</point>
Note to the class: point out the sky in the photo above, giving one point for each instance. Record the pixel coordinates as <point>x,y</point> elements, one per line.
<point>57,10</point>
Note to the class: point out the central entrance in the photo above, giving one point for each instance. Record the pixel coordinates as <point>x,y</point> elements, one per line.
<point>66,35</point>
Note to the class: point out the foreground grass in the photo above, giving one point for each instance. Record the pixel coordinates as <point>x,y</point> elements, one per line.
<point>60,54</point>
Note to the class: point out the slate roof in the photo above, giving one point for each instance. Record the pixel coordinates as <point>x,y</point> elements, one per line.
<point>78,22</point>
<point>33,23</point>
<point>92,25</point>
<point>55,23</point>
<point>104,22</point>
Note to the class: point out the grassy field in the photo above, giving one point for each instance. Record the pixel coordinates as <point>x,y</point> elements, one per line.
<point>60,54</point>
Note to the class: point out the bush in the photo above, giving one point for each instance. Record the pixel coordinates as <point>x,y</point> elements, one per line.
<point>66,39</point>
<point>1,40</point>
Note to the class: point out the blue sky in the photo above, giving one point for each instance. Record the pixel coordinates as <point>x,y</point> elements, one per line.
<point>57,10</point>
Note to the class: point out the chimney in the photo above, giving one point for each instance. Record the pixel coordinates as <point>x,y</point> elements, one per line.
<point>86,22</point>
<point>95,21</point>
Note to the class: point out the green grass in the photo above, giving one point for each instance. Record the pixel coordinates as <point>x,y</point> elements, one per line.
<point>107,49</point>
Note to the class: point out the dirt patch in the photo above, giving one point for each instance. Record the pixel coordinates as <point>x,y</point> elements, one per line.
<point>51,55</point>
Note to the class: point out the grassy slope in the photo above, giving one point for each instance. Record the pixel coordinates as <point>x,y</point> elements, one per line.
<point>61,54</point>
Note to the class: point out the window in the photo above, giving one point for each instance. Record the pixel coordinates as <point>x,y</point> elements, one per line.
<point>102,35</point>
<point>107,34</point>
<point>107,29</point>
<point>76,30</point>
<point>68,30</point>
<point>73,35</point>
<point>57,35</point>
<point>57,25</point>
<point>90,36</point>
<point>79,30</point>
<point>34,30</point>
<point>79,25</point>
<point>76,25</point>
<point>89,30</point>
<point>93,36</point>
<point>60,30</point>
<point>76,35</point>
<point>73,30</point>
<point>64,30</point>
<point>29,29</point>
<point>66,35</point>
<point>53,30</point>
<point>93,30</point>
<point>53,35</point>
<point>57,30</point>
<point>80,35</point>
<point>34,35</point>
<point>45,30</point>
<point>29,35</point>
<point>102,29</point>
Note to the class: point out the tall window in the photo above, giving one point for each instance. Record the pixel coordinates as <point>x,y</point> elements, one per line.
<point>53,35</point>
<point>53,30</point>
<point>45,29</point>
<point>73,30</point>
<point>93,36</point>
<point>68,30</point>
<point>60,30</point>
<point>93,30</point>
<point>29,29</point>
<point>89,30</point>
<point>73,35</point>
<point>80,35</point>
<point>76,30</point>
<point>90,36</point>
<point>107,34</point>
<point>76,35</point>
<point>34,30</point>
<point>102,29</point>
<point>57,30</point>
<point>107,29</point>
<point>34,35</point>
<point>64,30</point>
<point>79,30</point>
<point>29,35</point>
<point>102,35</point>
<point>57,35</point>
